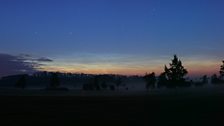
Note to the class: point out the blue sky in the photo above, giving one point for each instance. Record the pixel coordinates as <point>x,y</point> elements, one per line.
<point>108,33</point>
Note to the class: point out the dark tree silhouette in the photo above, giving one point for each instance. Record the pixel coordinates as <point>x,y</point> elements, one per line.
<point>162,80</point>
<point>214,79</point>
<point>118,82</point>
<point>96,83</point>
<point>222,70</point>
<point>205,79</point>
<point>21,83</point>
<point>104,85</point>
<point>54,82</point>
<point>175,74</point>
<point>150,80</point>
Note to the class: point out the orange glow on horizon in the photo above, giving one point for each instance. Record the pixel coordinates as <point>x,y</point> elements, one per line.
<point>196,65</point>
<point>194,69</point>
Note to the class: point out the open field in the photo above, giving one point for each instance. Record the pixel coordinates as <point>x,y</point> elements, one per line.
<point>156,109</point>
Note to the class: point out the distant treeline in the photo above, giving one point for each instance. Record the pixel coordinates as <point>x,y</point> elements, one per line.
<point>173,76</point>
<point>57,81</point>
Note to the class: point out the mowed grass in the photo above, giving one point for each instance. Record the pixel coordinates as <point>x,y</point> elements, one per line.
<point>166,109</point>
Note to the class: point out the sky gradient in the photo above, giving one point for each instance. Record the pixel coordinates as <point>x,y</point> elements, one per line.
<point>114,36</point>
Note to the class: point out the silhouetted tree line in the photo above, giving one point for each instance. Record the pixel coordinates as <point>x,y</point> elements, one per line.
<point>150,80</point>
<point>174,76</point>
<point>56,81</point>
<point>222,70</point>
<point>215,79</point>
<point>171,77</point>
<point>203,81</point>
<point>21,82</point>
<point>104,82</point>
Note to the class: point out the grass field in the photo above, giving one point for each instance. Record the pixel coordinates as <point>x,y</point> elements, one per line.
<point>147,109</point>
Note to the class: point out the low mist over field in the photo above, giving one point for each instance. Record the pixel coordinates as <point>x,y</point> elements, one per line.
<point>111,62</point>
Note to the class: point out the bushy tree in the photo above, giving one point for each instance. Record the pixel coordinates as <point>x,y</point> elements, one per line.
<point>222,70</point>
<point>162,80</point>
<point>214,79</point>
<point>54,82</point>
<point>150,80</point>
<point>118,82</point>
<point>21,83</point>
<point>204,79</point>
<point>175,74</point>
<point>96,83</point>
<point>104,85</point>
<point>93,84</point>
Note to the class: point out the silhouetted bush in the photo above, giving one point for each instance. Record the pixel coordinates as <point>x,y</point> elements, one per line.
<point>162,80</point>
<point>118,82</point>
<point>96,83</point>
<point>203,81</point>
<point>54,82</point>
<point>150,80</point>
<point>93,84</point>
<point>215,79</point>
<point>21,83</point>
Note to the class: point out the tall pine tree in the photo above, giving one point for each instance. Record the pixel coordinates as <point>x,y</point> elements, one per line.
<point>175,74</point>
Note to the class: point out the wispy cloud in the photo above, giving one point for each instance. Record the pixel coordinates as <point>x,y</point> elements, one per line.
<point>24,63</point>
<point>43,59</point>
<point>10,64</point>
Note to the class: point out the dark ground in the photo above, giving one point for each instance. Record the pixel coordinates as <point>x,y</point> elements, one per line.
<point>112,110</point>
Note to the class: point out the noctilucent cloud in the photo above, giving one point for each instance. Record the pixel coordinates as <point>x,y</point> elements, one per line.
<point>114,36</point>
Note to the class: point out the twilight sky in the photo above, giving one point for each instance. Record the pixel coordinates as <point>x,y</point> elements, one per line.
<point>111,36</point>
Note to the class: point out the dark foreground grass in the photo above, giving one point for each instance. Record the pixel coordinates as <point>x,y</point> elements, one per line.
<point>112,110</point>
